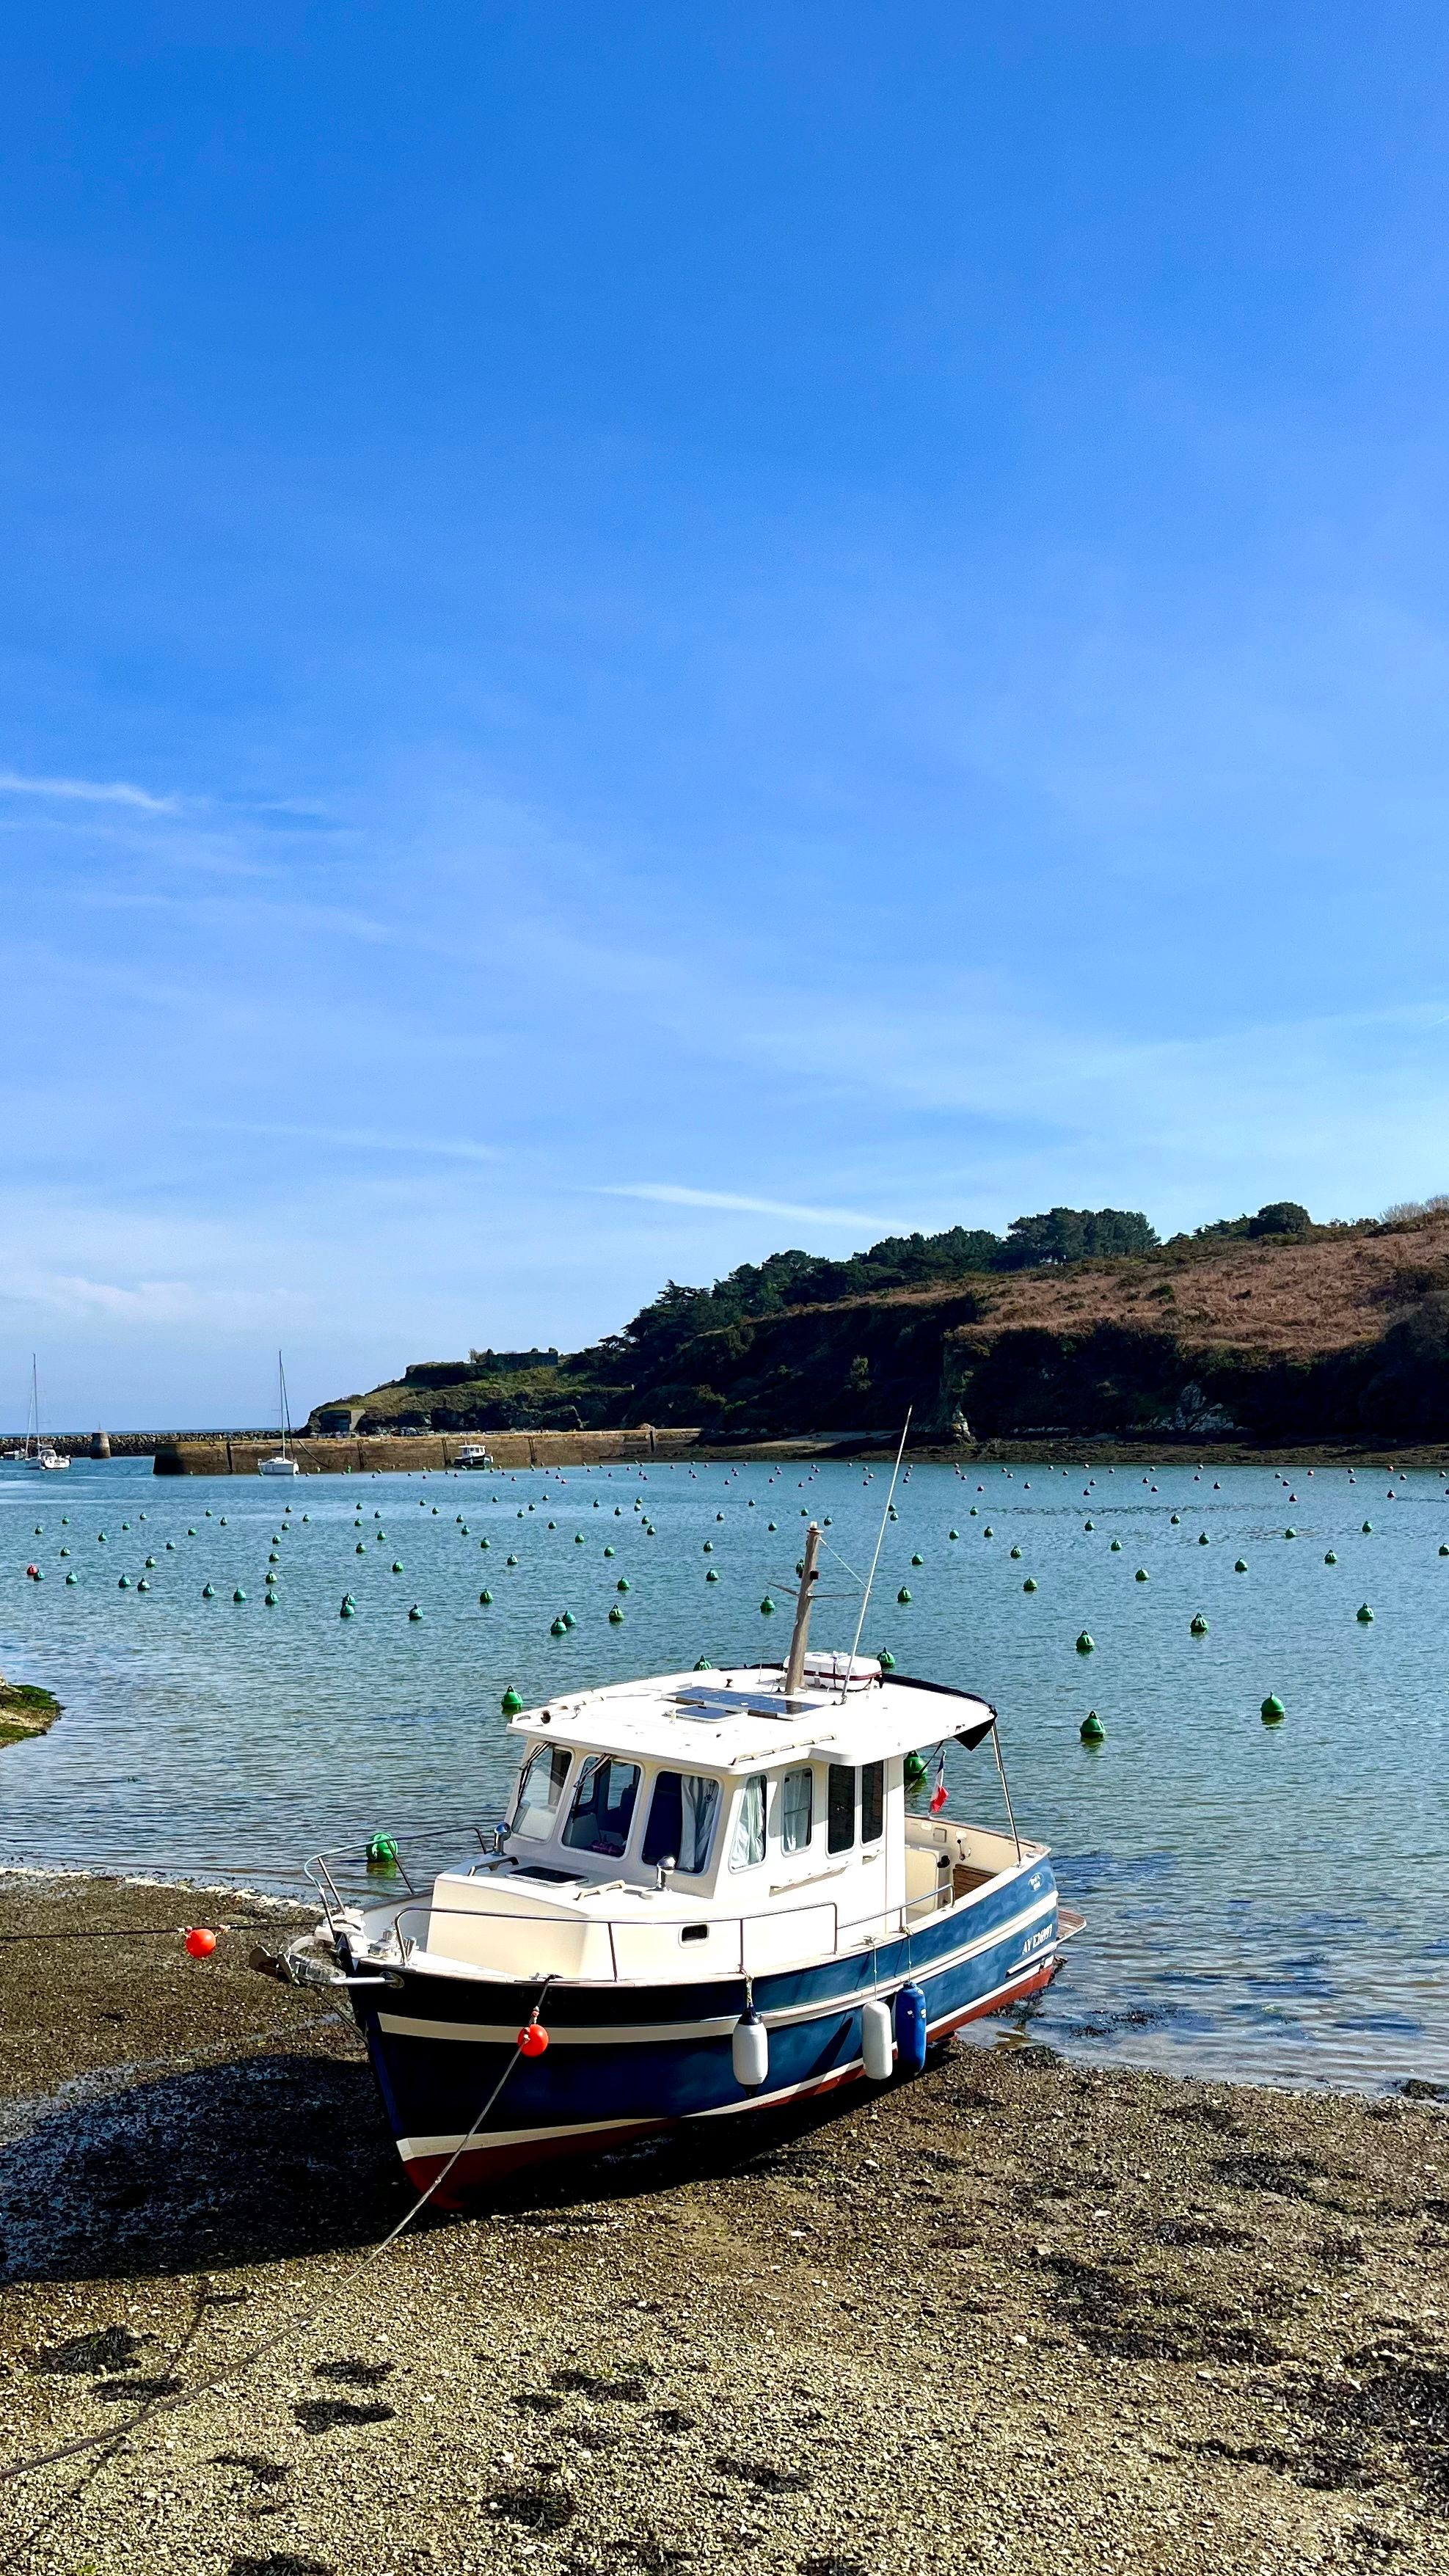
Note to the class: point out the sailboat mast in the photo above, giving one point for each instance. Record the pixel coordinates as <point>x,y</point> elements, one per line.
<point>800,1637</point>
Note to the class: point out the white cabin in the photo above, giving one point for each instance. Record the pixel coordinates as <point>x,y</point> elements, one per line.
<point>704,1824</point>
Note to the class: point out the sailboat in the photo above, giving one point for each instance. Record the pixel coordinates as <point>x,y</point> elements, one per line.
<point>39,1453</point>
<point>284,1464</point>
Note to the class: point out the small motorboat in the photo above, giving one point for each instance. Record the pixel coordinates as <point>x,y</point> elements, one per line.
<point>472,1454</point>
<point>711,1891</point>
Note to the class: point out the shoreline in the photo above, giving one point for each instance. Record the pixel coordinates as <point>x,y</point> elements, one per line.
<point>1016,2309</point>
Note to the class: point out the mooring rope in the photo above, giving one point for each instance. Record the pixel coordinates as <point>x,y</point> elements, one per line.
<point>113,2438</point>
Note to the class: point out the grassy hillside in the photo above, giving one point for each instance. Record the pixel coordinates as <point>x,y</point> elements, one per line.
<point>1270,1328</point>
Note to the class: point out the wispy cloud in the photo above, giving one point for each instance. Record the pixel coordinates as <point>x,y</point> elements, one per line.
<point>88,791</point>
<point>673,1194</point>
<point>457,1149</point>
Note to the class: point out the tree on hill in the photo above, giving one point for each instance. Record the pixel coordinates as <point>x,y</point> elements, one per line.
<point>1075,1234</point>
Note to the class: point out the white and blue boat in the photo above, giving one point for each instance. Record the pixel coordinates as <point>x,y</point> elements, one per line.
<point>712,1891</point>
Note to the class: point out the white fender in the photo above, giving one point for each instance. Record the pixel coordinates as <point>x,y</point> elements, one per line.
<point>750,2050</point>
<point>877,2040</point>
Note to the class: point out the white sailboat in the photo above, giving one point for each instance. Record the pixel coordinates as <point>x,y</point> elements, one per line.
<point>284,1464</point>
<point>38,1453</point>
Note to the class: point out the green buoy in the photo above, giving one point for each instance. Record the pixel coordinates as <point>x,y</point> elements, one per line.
<point>125,1584</point>
<point>623,1583</point>
<point>1089,1525</point>
<point>616,1617</point>
<point>608,1551</point>
<point>708,1548</point>
<point>382,1852</point>
<point>1364,1615</point>
<point>703,1664</point>
<point>1202,1538</point>
<point>142,1586</point>
<point>558,1629</point>
<point>1240,1565</point>
<point>1290,1533</point>
<point>1030,1584</point>
<point>484,1599</point>
<point>270,1600</point>
<point>988,1532</point>
<point>1330,1559</point>
<point>510,1702</point>
<point>1086,1644</point>
<point>359,1550</point>
<point>72,1578</point>
<point>711,1576</point>
<point>483,1542</point>
<point>1198,1626</point>
<point>1116,1548</point>
<point>953,1533</point>
<point>1272,1711</point>
<point>238,1595</point>
<point>1091,1730</point>
<point>886,1660</point>
<point>1444,1551</point>
<point>415,1612</point>
<point>1177,1520</point>
<point>1141,1574</point>
<point>767,1606</point>
<point>918,1560</point>
<point>397,1565</point>
<point>1016,1555</point>
<point>208,1592</point>
<point>1368,1525</point>
<point>512,1560</point>
<point>913,1770</point>
<point>903,1596</point>
<point>567,1617</point>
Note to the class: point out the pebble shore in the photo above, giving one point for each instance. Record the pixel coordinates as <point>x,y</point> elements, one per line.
<point>1015,2315</point>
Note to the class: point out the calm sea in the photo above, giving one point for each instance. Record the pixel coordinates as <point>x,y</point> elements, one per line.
<point>1262,1903</point>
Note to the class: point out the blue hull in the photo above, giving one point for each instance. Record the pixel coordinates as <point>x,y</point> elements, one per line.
<point>623,2060</point>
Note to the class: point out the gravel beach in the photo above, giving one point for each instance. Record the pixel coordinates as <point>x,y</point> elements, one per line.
<point>1016,2314</point>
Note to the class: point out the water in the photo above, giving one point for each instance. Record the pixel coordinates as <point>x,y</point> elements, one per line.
<point>1263,1903</point>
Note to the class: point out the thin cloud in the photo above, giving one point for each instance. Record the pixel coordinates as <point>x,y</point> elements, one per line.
<point>458,1149</point>
<point>87,791</point>
<point>673,1194</point>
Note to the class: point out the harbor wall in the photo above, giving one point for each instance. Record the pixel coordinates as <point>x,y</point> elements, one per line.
<point>236,1454</point>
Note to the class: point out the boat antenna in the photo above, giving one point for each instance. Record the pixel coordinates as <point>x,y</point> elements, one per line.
<point>800,1634</point>
<point>875,1560</point>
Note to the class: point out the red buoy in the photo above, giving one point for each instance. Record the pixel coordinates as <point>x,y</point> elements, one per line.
<point>532,2039</point>
<point>33,1573</point>
<point>199,1942</point>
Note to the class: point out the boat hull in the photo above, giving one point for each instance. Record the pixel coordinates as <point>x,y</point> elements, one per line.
<point>625,2061</point>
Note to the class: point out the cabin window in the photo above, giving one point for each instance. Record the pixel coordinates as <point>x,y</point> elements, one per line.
<point>797,1806</point>
<point>872,1801</point>
<point>748,1847</point>
<point>603,1807</point>
<point>539,1793</point>
<point>683,1813</point>
<point>840,1807</point>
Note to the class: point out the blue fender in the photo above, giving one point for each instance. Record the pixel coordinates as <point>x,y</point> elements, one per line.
<point>911,2029</point>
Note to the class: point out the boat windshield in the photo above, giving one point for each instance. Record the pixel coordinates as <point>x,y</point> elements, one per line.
<point>539,1793</point>
<point>682,1816</point>
<point>603,1807</point>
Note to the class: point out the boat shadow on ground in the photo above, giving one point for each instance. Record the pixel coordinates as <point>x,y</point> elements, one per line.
<point>272,2158</point>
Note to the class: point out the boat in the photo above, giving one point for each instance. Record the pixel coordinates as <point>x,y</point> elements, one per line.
<point>472,1454</point>
<point>41,1454</point>
<point>283,1464</point>
<point>712,1891</point>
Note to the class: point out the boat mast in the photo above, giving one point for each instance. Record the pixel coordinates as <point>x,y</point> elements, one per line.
<point>32,1436</point>
<point>800,1638</point>
<point>282,1398</point>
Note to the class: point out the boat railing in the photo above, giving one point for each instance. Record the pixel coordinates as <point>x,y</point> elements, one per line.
<point>725,1942</point>
<point>380,1859</point>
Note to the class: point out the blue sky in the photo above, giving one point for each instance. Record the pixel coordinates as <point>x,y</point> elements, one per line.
<point>635,635</point>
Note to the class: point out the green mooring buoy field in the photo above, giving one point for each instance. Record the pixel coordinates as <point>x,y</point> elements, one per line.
<point>1224,1695</point>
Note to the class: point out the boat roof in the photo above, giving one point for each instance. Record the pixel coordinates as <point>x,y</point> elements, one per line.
<point>739,1717</point>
